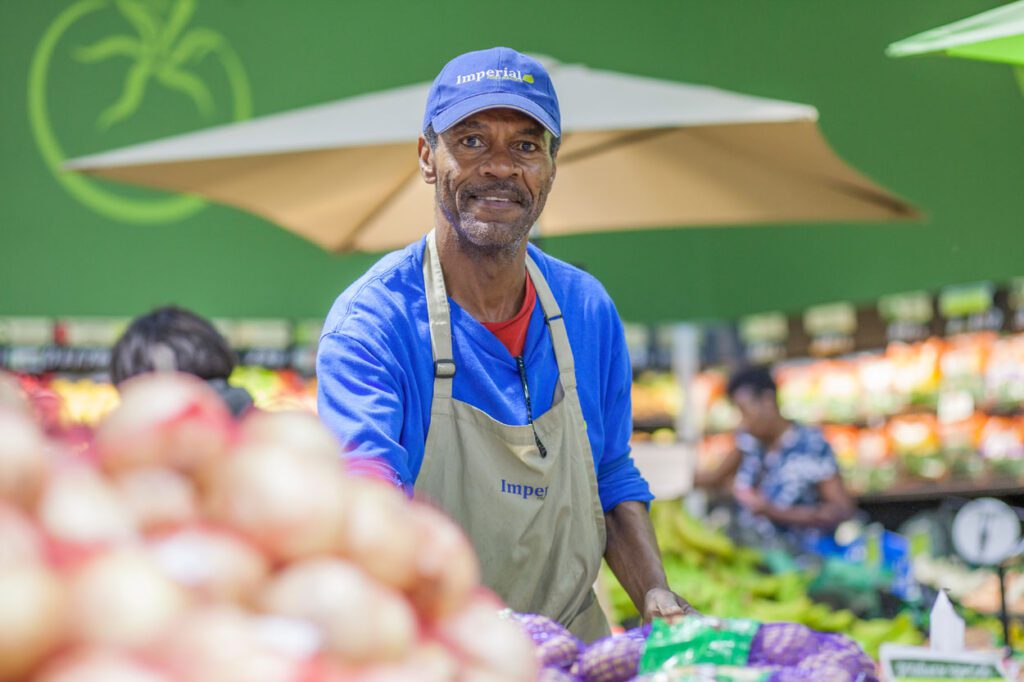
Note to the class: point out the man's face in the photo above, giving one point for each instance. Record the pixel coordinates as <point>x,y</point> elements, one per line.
<point>493,172</point>
<point>758,411</point>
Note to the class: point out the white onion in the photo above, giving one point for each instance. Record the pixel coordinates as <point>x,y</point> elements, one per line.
<point>120,598</point>
<point>167,419</point>
<point>32,608</point>
<point>11,395</point>
<point>378,535</point>
<point>158,497</point>
<point>214,564</point>
<point>23,457</point>
<point>290,503</point>
<point>81,511</point>
<point>446,566</point>
<point>224,644</point>
<point>293,429</point>
<point>100,665</point>
<point>20,541</point>
<point>489,643</point>
<point>361,621</point>
<point>429,662</point>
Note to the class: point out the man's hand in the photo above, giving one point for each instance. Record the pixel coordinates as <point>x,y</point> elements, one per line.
<point>751,499</point>
<point>633,556</point>
<point>665,604</point>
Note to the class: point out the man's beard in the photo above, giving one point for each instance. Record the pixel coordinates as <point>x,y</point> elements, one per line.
<point>488,239</point>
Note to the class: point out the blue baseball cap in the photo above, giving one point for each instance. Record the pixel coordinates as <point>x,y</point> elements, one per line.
<point>498,78</point>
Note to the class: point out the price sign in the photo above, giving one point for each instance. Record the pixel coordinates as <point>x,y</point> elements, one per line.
<point>831,328</point>
<point>765,337</point>
<point>970,308</point>
<point>908,316</point>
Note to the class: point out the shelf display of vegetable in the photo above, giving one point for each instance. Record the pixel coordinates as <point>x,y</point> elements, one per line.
<point>183,546</point>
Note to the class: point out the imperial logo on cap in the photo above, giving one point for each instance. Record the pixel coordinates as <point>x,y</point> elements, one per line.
<point>498,78</point>
<point>494,75</point>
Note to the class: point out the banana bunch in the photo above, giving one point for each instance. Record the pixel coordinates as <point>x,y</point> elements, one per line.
<point>722,579</point>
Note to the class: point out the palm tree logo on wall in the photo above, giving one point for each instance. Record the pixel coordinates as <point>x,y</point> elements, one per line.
<point>163,51</point>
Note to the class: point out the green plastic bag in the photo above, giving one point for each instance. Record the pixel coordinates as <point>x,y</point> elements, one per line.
<point>708,673</point>
<point>698,640</point>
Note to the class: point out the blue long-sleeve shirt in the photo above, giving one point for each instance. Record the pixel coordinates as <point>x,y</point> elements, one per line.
<point>375,369</point>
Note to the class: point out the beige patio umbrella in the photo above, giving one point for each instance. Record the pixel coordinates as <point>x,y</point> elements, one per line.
<point>637,153</point>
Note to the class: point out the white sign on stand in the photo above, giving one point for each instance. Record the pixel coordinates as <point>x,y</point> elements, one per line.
<point>918,664</point>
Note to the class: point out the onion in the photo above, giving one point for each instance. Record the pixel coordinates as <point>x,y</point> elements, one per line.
<point>23,458</point>
<point>446,566</point>
<point>489,643</point>
<point>32,604</point>
<point>121,598</point>
<point>213,563</point>
<point>11,395</point>
<point>81,512</point>
<point>166,419</point>
<point>361,620</point>
<point>292,429</point>
<point>290,503</point>
<point>378,536</point>
<point>98,665</point>
<point>20,542</point>
<point>429,662</point>
<point>158,497</point>
<point>227,645</point>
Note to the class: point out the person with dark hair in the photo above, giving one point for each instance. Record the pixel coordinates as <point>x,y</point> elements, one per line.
<point>787,482</point>
<point>492,377</point>
<point>175,339</point>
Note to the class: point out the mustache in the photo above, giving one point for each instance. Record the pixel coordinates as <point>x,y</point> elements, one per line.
<point>506,188</point>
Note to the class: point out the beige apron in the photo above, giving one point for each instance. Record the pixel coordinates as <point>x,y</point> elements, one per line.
<point>535,519</point>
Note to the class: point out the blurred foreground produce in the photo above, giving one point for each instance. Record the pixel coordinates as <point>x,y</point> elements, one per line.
<point>182,546</point>
<point>724,580</point>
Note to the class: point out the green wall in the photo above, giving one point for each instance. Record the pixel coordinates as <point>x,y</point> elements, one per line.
<point>947,134</point>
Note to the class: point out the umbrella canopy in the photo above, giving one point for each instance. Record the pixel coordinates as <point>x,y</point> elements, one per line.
<point>637,152</point>
<point>993,36</point>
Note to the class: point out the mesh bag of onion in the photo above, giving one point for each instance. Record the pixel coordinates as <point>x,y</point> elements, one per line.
<point>699,649</point>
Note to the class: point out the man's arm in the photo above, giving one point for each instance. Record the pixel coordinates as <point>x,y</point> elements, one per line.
<point>633,555</point>
<point>836,506</point>
<point>361,402</point>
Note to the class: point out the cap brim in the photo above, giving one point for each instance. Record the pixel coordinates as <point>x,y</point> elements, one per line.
<point>493,100</point>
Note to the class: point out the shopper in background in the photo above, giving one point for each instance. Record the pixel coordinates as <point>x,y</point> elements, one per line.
<point>787,482</point>
<point>175,339</point>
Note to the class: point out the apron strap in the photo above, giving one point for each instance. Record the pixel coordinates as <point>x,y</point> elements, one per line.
<point>556,324</point>
<point>440,321</point>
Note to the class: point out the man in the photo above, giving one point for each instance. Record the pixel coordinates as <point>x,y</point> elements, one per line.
<point>491,378</point>
<point>787,481</point>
